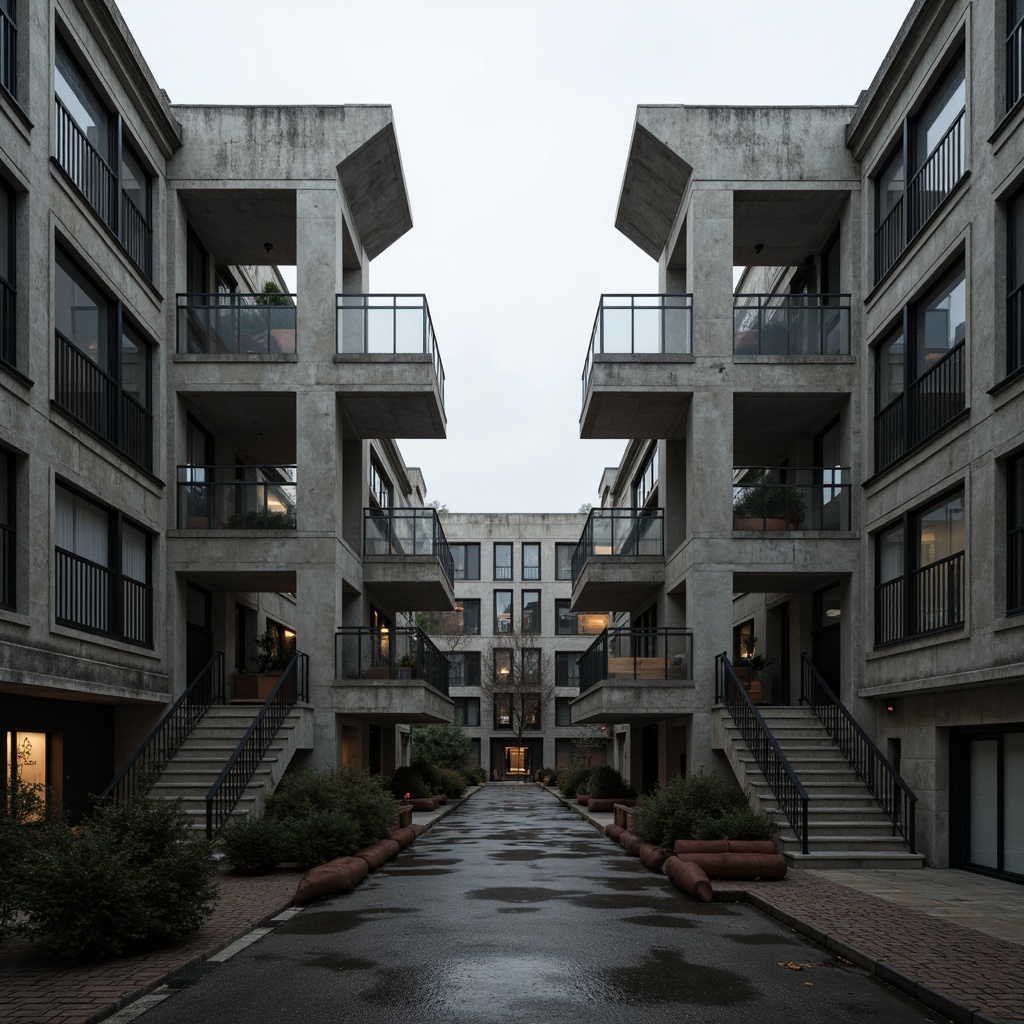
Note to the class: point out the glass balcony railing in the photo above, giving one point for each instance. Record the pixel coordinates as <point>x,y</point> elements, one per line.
<point>236,498</point>
<point>407,531</point>
<point>619,532</point>
<point>637,654</point>
<point>791,498</point>
<point>236,324</point>
<point>388,325</point>
<point>402,652</point>
<point>791,325</point>
<point>640,325</point>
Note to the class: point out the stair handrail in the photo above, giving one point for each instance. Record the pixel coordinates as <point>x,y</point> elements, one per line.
<point>291,687</point>
<point>886,785</point>
<point>170,732</point>
<point>778,772</point>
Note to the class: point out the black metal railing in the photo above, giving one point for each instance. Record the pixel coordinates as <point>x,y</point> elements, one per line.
<point>935,399</point>
<point>156,751</point>
<point>215,498</point>
<point>1014,330</point>
<point>85,166</point>
<point>388,325</point>
<point>886,784</point>
<point>619,532</point>
<point>924,194</point>
<point>789,792</point>
<point>927,600</point>
<point>93,397</point>
<point>1015,65</point>
<point>136,235</point>
<point>791,498</point>
<point>290,689</point>
<point>8,562</point>
<point>407,531</point>
<point>8,338</point>
<point>791,325</point>
<point>661,654</point>
<point>236,325</point>
<point>8,54</point>
<point>397,652</point>
<point>640,325</point>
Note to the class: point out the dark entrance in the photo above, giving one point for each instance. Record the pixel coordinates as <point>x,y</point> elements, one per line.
<point>825,640</point>
<point>649,758</point>
<point>198,630</point>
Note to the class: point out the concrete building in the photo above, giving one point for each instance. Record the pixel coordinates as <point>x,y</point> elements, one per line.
<point>513,584</point>
<point>190,461</point>
<point>833,440</point>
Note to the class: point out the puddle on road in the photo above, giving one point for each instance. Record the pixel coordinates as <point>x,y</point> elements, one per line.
<point>340,963</point>
<point>330,922</point>
<point>517,894</point>
<point>660,921</point>
<point>518,910</point>
<point>666,977</point>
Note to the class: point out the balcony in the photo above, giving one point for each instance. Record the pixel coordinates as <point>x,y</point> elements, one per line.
<point>619,559</point>
<point>236,498</point>
<point>791,498</point>
<point>392,377</point>
<point>390,675</point>
<point>236,325</point>
<point>406,559</point>
<point>631,383</point>
<point>927,600</point>
<point>636,675</point>
<point>791,325</point>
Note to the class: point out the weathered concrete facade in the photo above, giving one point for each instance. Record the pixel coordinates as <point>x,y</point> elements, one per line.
<point>191,458</point>
<point>865,371</point>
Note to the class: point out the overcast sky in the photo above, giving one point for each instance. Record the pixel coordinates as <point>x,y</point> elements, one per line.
<point>514,122</point>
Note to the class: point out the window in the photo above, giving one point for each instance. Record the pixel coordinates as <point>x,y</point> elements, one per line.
<point>920,371</point>
<point>920,572</point>
<point>9,47</point>
<point>467,615</point>
<point>645,485</point>
<point>103,365</point>
<point>503,611</point>
<point>531,611</point>
<point>7,534</point>
<point>502,709</point>
<point>531,561</point>
<point>8,341</point>
<point>563,713</point>
<point>563,561</point>
<point>32,769</point>
<point>467,711</point>
<point>502,664</point>
<point>90,147</point>
<point>568,623</point>
<point>1014,52</point>
<point>464,668</point>
<point>503,561</point>
<point>1015,535</point>
<point>380,486</point>
<point>102,570</point>
<point>918,176</point>
<point>467,561</point>
<point>567,669</point>
<point>1015,285</point>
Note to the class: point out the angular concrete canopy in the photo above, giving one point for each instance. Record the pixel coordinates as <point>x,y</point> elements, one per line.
<point>623,701</point>
<point>409,582</point>
<point>392,701</point>
<point>617,583</point>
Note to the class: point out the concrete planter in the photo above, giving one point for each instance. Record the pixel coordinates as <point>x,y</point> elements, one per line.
<point>258,686</point>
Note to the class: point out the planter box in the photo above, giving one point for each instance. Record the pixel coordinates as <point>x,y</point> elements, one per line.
<point>252,686</point>
<point>378,672</point>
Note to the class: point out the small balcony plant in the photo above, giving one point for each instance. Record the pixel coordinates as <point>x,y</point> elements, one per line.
<point>760,502</point>
<point>749,666</point>
<point>268,663</point>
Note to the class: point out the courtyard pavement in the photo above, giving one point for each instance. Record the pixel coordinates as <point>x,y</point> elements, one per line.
<point>951,939</point>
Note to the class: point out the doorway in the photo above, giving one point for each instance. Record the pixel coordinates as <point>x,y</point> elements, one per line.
<point>826,637</point>
<point>198,630</point>
<point>649,758</point>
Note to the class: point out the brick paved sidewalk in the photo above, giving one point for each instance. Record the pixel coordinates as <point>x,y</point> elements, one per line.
<point>956,971</point>
<point>36,988</point>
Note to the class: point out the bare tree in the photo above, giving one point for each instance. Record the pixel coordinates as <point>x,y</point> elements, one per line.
<point>445,629</point>
<point>518,680</point>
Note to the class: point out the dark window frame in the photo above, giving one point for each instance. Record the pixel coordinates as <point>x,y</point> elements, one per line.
<point>500,570</point>
<point>472,603</point>
<point>9,532</point>
<point>563,711</point>
<point>511,612</point>
<point>466,710</point>
<point>565,661</point>
<point>563,560</point>
<point>8,283</point>
<point>470,555</point>
<point>469,674</point>
<point>1015,284</point>
<point>9,49</point>
<point>381,489</point>
<point>535,627</point>
<point>1014,58</point>
<point>530,573</point>
<point>1015,535</point>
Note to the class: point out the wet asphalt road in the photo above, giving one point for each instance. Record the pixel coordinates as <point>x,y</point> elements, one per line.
<point>513,908</point>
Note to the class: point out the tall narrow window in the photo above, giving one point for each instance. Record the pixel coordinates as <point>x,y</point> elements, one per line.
<point>645,484</point>
<point>380,486</point>
<point>531,611</point>
<point>531,561</point>
<point>503,561</point>
<point>1015,535</point>
<point>8,340</point>
<point>7,531</point>
<point>567,668</point>
<point>502,611</point>
<point>1015,285</point>
<point>1014,52</point>
<point>563,561</point>
<point>9,46</point>
<point>467,614</point>
<point>466,558</point>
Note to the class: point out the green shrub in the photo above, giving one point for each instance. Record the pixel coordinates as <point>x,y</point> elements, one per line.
<point>255,846</point>
<point>699,806</point>
<point>447,746</point>
<point>454,783</point>
<point>369,803</point>
<point>605,783</point>
<point>474,775</point>
<point>321,836</point>
<point>571,779</point>
<point>407,781</point>
<point>133,874</point>
<point>431,775</point>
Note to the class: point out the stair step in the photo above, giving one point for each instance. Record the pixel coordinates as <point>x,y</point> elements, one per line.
<point>854,860</point>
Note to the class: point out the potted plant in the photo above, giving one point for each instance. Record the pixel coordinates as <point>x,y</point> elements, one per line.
<point>267,662</point>
<point>749,666</point>
<point>760,502</point>
<point>407,667</point>
<point>378,669</point>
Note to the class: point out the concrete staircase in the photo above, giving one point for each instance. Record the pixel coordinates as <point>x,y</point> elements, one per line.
<point>202,758</point>
<point>846,827</point>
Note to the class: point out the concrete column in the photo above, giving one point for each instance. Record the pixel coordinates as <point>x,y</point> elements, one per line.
<point>317,612</point>
<point>318,271</point>
<point>709,459</point>
<point>709,256</point>
<point>673,494</point>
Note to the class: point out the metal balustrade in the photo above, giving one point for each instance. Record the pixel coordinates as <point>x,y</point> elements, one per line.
<point>619,532</point>
<point>92,597</point>
<point>640,325</point>
<point>791,498</point>
<point>388,325</point>
<point>156,751</point>
<point>214,498</point>
<point>661,654</point>
<point>791,325</point>
<point>926,600</point>
<point>936,398</point>
<point>239,324</point>
<point>397,652</point>
<point>291,688</point>
<point>407,531</point>
<point>136,235</point>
